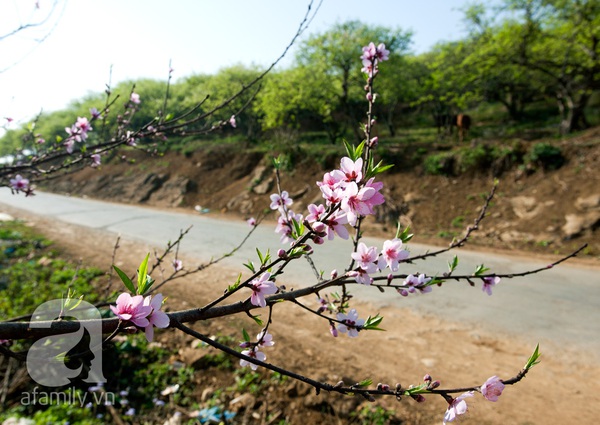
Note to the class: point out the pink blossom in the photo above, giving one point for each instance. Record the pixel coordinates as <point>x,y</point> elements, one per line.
<point>177,265</point>
<point>393,254</point>
<point>315,213</point>
<point>280,201</point>
<point>377,198</point>
<point>157,318</point>
<point>255,354</point>
<point>361,276</point>
<point>335,225</point>
<point>372,53</point>
<point>96,158</point>
<point>19,183</point>
<point>251,222</point>
<point>132,309</point>
<point>352,169</point>
<point>40,140</point>
<point>331,195</point>
<point>95,113</point>
<point>74,133</point>
<point>284,226</point>
<point>355,202</point>
<point>420,283</point>
<point>382,53</point>
<point>369,68</point>
<point>369,52</point>
<point>332,179</point>
<point>232,121</point>
<point>265,339</point>
<point>69,143</point>
<point>488,283</point>
<point>260,287</point>
<point>492,388</point>
<point>350,323</point>
<point>84,125</point>
<point>135,98</point>
<point>457,406</point>
<point>366,257</point>
<point>131,140</point>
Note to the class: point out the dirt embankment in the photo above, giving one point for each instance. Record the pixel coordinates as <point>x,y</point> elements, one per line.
<point>537,211</point>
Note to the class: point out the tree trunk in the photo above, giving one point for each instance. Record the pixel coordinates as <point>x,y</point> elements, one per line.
<point>572,111</point>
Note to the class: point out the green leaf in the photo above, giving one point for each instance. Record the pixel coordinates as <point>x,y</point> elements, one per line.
<point>404,235</point>
<point>260,256</point>
<point>533,360</point>
<point>143,276</point>
<point>257,319</point>
<point>417,390</point>
<point>354,152</point>
<point>453,264</point>
<point>79,300</point>
<point>277,162</point>
<point>126,281</point>
<point>377,169</point>
<point>372,323</point>
<point>245,335</point>
<point>363,383</point>
<point>233,287</point>
<point>169,117</point>
<point>481,269</point>
<point>298,229</point>
<point>250,266</point>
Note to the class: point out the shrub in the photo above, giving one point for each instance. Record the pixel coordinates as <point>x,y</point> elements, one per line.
<point>547,156</point>
<point>439,164</point>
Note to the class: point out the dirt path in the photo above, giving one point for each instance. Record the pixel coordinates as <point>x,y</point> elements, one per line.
<point>561,390</point>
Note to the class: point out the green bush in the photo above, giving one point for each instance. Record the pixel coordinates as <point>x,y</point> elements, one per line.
<point>547,156</point>
<point>439,164</point>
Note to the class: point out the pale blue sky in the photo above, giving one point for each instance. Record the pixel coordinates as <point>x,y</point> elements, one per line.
<point>139,37</point>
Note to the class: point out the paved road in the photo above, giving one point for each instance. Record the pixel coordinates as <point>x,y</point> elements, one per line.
<point>561,305</point>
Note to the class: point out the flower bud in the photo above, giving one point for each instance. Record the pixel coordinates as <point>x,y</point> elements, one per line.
<point>373,142</point>
<point>333,330</point>
<point>403,292</point>
<point>281,253</point>
<point>319,227</point>
<point>434,385</point>
<point>427,378</point>
<point>390,277</point>
<point>419,398</point>
<point>334,274</point>
<point>318,240</point>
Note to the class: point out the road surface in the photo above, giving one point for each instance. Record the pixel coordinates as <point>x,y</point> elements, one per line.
<point>561,305</point>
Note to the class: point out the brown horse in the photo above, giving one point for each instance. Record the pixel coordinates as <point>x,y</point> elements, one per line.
<point>463,123</point>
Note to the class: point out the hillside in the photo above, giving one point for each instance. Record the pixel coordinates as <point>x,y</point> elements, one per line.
<point>535,209</point>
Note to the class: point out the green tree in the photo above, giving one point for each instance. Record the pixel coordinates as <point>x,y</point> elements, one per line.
<point>335,54</point>
<point>299,98</point>
<point>556,41</point>
<point>220,87</point>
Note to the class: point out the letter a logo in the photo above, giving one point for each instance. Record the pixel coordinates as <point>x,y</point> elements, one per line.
<point>46,357</point>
